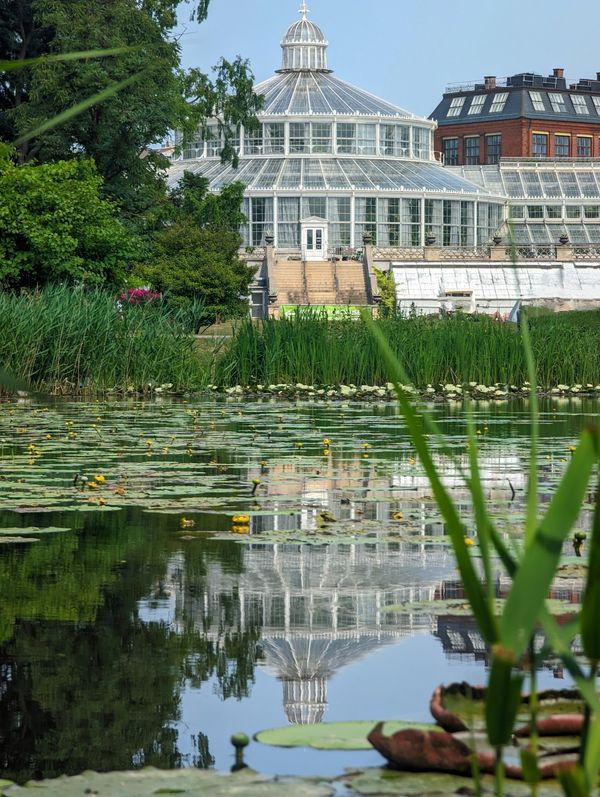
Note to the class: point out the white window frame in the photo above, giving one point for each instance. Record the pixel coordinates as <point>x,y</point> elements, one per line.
<point>456,106</point>
<point>477,104</point>
<point>580,105</point>
<point>557,101</point>
<point>537,101</point>
<point>499,102</point>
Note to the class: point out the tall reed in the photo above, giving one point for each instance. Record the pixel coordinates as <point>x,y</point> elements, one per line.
<point>75,341</point>
<point>312,349</point>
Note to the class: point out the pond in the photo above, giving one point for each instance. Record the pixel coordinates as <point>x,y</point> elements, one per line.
<point>173,572</point>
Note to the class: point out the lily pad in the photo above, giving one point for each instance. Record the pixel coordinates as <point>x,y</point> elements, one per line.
<point>333,735</point>
<point>191,782</point>
<point>33,530</point>
<point>424,784</point>
<point>17,540</point>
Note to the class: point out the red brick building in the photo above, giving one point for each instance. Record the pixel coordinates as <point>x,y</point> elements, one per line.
<point>526,115</point>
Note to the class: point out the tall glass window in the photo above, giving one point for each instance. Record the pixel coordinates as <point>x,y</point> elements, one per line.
<point>321,137</point>
<point>394,140</point>
<point>300,137</point>
<point>584,146</point>
<point>433,219</point>
<point>539,145</point>
<point>493,147</point>
<point>340,214</point>
<point>450,151</point>
<point>366,218</point>
<point>288,231</point>
<point>471,146</point>
<point>261,219</point>
<point>421,145</point>
<point>274,138</point>
<point>411,222</point>
<point>389,222</point>
<point>451,222</point>
<point>366,139</point>
<point>346,138</point>
<point>213,142</point>
<point>562,146</point>
<point>253,142</point>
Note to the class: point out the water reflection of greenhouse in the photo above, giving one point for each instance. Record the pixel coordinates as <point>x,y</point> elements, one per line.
<point>318,608</point>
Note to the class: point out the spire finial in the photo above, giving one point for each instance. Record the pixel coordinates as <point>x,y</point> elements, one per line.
<point>304,10</point>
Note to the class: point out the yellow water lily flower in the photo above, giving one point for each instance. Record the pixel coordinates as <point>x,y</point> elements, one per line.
<point>186,524</point>
<point>241,529</point>
<point>241,519</point>
<point>326,442</point>
<point>469,541</point>
<point>397,516</point>
<point>99,478</point>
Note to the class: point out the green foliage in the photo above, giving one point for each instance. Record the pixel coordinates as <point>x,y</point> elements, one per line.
<point>111,109</point>
<point>312,349</point>
<point>195,254</point>
<point>76,341</point>
<point>387,292</point>
<point>55,227</point>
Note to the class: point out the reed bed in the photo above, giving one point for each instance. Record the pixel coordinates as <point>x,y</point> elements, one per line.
<point>311,349</point>
<point>73,341</point>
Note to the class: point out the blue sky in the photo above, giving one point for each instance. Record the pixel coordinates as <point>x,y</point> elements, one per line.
<point>406,52</point>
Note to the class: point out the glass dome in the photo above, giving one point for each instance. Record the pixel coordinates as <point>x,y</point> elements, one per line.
<point>325,148</point>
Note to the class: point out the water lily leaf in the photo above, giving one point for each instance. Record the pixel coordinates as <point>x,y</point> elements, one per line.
<point>33,530</point>
<point>430,784</point>
<point>17,540</point>
<point>192,782</point>
<point>333,735</point>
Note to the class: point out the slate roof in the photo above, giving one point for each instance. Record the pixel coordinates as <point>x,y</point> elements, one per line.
<point>519,104</point>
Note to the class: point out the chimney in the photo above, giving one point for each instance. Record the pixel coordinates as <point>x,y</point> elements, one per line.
<point>557,72</point>
<point>490,81</point>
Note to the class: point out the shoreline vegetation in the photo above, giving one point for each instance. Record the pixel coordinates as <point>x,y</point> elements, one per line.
<point>72,342</point>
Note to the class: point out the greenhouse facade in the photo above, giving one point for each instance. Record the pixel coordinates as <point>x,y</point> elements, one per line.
<point>330,163</point>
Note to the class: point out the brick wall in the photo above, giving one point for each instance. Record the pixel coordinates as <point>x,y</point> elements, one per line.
<point>517,136</point>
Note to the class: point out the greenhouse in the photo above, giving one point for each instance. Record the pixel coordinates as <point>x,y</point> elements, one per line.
<point>331,162</point>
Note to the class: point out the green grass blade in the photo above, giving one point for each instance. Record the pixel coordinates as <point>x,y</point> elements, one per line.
<point>70,113</point>
<point>532,478</point>
<point>11,66</point>
<point>536,570</point>
<point>590,612</point>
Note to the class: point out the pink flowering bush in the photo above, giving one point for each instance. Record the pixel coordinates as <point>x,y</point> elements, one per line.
<point>141,296</point>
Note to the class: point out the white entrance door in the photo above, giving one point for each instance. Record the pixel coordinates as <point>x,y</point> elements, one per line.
<point>314,244</point>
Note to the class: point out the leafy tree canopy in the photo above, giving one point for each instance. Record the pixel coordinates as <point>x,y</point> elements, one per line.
<point>196,254</point>
<point>56,227</point>
<point>117,132</point>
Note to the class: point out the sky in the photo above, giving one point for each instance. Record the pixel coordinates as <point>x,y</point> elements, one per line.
<point>406,52</point>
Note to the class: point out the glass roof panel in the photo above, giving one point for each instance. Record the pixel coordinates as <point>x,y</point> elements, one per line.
<point>569,183</point>
<point>512,183</point>
<point>593,231</point>
<point>520,234</point>
<point>576,233</point>
<point>550,184</point>
<point>540,234</point>
<point>291,175</point>
<point>532,184</point>
<point>294,93</point>
<point>270,174</point>
<point>588,184</point>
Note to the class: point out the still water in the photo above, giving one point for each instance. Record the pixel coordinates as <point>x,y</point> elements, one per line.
<point>139,625</point>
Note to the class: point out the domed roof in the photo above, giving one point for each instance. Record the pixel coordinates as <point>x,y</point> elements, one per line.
<point>303,31</point>
<point>304,46</point>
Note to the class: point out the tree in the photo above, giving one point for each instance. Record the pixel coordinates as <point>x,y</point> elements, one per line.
<point>56,227</point>
<point>196,254</point>
<point>117,132</point>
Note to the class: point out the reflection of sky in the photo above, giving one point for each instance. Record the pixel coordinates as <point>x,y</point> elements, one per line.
<point>394,683</point>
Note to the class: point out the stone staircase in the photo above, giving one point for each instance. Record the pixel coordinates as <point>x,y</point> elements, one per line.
<point>351,281</point>
<point>319,282</point>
